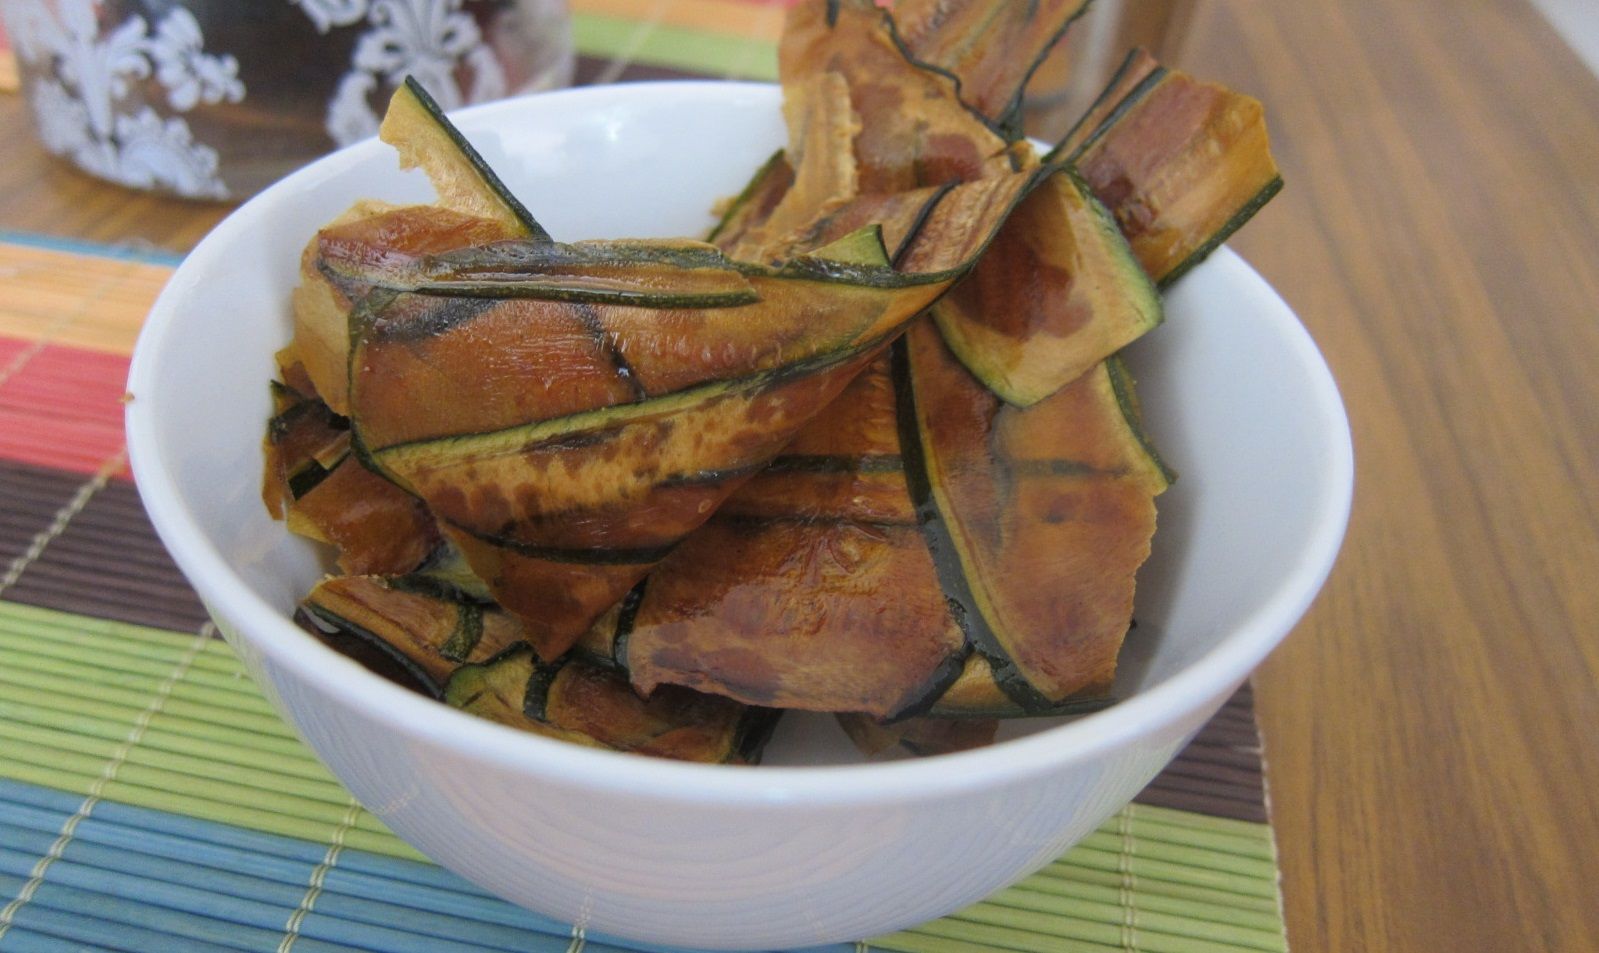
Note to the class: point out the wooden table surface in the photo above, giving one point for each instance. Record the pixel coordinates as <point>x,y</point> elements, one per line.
<point>1432,727</point>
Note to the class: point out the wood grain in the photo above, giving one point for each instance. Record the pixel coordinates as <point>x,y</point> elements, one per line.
<point>1431,726</point>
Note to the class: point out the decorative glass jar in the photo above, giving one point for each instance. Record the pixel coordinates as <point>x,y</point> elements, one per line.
<point>214,99</point>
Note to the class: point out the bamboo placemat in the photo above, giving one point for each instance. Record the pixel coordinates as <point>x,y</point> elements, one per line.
<point>150,800</point>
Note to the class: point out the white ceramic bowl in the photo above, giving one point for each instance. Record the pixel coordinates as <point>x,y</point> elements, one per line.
<point>809,848</point>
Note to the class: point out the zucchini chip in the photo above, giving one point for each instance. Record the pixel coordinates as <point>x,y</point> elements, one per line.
<point>322,491</point>
<point>1181,165</point>
<point>992,48</point>
<point>578,701</point>
<point>914,129</point>
<point>1061,491</point>
<point>417,129</point>
<point>1058,292</point>
<point>436,629</point>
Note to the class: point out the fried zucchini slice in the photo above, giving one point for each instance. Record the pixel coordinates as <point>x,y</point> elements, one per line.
<point>976,694</point>
<point>991,47</point>
<point>780,599</point>
<point>1181,165</point>
<point>433,628</point>
<point>374,525</point>
<point>581,702</point>
<point>915,131</point>
<point>845,464</point>
<point>322,491</point>
<point>822,128</point>
<point>340,264</point>
<point>796,614</point>
<point>1061,491</point>
<point>1057,293</point>
<point>418,130</point>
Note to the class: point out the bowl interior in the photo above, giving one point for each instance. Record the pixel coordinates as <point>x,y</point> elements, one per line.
<point>1235,395</point>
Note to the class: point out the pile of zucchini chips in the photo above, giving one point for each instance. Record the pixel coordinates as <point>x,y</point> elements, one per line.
<point>867,448</point>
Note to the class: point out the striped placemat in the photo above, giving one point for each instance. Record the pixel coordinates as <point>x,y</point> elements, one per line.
<point>150,800</point>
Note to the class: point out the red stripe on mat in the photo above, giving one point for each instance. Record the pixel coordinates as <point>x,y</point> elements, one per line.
<point>9,349</point>
<point>62,407</point>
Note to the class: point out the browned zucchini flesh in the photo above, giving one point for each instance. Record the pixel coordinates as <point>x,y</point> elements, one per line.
<point>375,526</point>
<point>745,212</point>
<point>845,464</point>
<point>930,230</point>
<point>661,274</point>
<point>671,723</point>
<point>822,129</point>
<point>367,241</point>
<point>1134,69</point>
<point>915,131</point>
<point>562,529</point>
<point>294,382</point>
<point>438,363</point>
<point>992,49</point>
<point>1181,164</point>
<point>578,701</point>
<point>1063,490</point>
<point>795,614</point>
<point>322,491</point>
<point>431,627</point>
<point>780,599</point>
<point>1058,292</point>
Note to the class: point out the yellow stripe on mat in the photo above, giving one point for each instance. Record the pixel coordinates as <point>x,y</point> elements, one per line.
<point>106,297</point>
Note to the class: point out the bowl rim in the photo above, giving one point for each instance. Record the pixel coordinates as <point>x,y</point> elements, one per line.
<point>275,636</point>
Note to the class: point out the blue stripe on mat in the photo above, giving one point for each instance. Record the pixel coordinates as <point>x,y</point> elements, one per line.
<point>144,880</point>
<point>148,256</point>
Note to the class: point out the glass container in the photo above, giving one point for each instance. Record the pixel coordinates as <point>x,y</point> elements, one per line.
<point>215,99</point>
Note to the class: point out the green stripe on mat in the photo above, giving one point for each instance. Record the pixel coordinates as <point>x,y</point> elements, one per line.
<point>73,690</point>
<point>704,54</point>
<point>62,726</point>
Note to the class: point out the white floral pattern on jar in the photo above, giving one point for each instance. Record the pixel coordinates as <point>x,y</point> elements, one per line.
<point>430,40</point>
<point>80,91</point>
<point>151,93</point>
